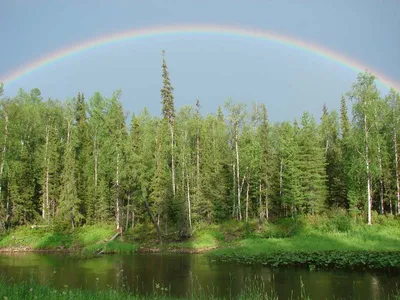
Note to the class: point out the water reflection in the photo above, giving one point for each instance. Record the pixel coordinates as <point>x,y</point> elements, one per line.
<point>183,273</point>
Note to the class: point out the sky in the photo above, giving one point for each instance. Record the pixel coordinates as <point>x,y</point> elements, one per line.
<point>208,67</point>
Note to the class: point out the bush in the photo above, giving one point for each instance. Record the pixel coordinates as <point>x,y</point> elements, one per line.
<point>291,226</point>
<point>339,220</point>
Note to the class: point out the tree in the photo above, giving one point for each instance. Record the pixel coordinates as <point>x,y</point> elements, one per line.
<point>289,190</point>
<point>329,131</point>
<point>97,206</point>
<point>393,102</point>
<point>365,95</point>
<point>236,117</point>
<point>50,157</point>
<point>168,112</point>
<point>69,202</point>
<point>312,166</point>
<point>81,148</point>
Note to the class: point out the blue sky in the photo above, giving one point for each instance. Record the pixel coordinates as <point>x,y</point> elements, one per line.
<point>209,67</point>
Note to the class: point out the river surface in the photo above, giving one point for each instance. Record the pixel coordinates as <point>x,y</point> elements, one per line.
<point>183,273</point>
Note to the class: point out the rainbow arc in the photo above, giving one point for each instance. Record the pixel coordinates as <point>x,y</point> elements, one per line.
<point>152,32</point>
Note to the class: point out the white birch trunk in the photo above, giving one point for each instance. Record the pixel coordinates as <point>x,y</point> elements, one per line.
<point>380,178</point>
<point>234,188</point>
<point>260,202</point>
<point>368,172</point>
<point>188,201</point>
<point>280,177</point>
<point>247,201</point>
<point>127,212</point>
<point>238,173</point>
<point>95,162</point>
<point>396,157</point>
<point>45,204</point>
<point>117,217</point>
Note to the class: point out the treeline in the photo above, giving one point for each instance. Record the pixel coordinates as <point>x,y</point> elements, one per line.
<point>78,162</point>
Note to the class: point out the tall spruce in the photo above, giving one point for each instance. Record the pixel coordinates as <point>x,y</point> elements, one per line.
<point>168,112</point>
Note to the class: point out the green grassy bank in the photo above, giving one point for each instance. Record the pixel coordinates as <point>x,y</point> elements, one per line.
<point>85,239</point>
<point>335,240</point>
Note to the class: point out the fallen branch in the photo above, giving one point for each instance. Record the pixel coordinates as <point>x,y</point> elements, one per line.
<point>102,248</point>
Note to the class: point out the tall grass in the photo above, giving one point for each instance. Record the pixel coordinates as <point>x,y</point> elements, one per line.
<point>254,290</point>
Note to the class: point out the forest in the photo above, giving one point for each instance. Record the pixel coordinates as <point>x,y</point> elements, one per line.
<point>80,161</point>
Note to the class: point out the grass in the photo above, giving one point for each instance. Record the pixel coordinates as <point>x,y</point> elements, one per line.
<point>86,239</point>
<point>254,289</point>
<point>319,241</point>
<point>316,234</point>
<point>206,237</point>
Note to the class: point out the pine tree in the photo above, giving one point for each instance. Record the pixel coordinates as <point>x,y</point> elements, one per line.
<point>312,166</point>
<point>69,206</point>
<point>81,147</point>
<point>168,112</point>
<point>334,169</point>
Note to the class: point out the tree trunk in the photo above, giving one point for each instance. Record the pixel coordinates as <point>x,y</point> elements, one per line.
<point>133,219</point>
<point>260,202</point>
<point>280,177</point>
<point>238,173</point>
<point>47,194</point>
<point>95,161</point>
<point>234,189</point>
<point>155,223</point>
<point>3,157</point>
<point>396,157</point>
<point>380,179</point>
<point>266,207</point>
<point>117,215</point>
<point>368,171</point>
<point>45,206</point>
<point>198,165</point>
<point>127,213</point>
<point>172,160</point>
<point>188,200</point>
<point>247,200</point>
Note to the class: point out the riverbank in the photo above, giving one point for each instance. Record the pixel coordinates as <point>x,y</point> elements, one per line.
<point>85,240</point>
<point>336,241</point>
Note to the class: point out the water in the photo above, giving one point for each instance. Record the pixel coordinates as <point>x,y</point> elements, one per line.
<point>181,273</point>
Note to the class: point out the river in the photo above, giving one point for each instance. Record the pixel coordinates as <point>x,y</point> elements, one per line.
<point>183,273</point>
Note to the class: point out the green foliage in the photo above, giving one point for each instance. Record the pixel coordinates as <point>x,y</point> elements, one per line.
<point>389,261</point>
<point>74,163</point>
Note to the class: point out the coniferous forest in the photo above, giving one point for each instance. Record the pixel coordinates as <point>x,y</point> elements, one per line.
<point>80,162</point>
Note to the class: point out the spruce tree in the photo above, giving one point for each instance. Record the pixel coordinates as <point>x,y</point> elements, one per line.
<point>81,147</point>
<point>69,206</point>
<point>168,112</point>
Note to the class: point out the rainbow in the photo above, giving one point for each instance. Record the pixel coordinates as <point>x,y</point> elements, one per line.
<point>198,29</point>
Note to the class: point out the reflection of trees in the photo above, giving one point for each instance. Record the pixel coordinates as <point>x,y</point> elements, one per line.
<point>185,272</point>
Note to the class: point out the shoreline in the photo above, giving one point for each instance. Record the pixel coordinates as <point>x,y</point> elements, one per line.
<point>144,249</point>
<point>329,259</point>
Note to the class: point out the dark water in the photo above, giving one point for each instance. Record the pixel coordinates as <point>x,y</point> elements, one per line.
<point>182,273</point>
